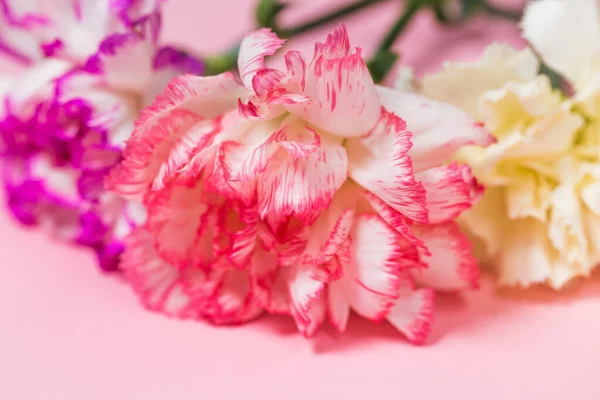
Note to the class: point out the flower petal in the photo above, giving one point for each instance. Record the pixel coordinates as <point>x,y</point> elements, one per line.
<point>176,217</point>
<point>344,99</point>
<point>207,97</point>
<point>438,129</point>
<point>144,155</point>
<point>380,258</point>
<point>462,84</point>
<point>221,296</point>
<point>451,189</point>
<point>412,314</point>
<point>253,49</point>
<point>303,186</point>
<point>451,264</point>
<point>557,28</point>
<point>338,301</point>
<point>124,61</point>
<point>159,284</point>
<point>379,162</point>
<point>306,284</point>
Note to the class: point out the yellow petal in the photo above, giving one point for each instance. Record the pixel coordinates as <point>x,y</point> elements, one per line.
<point>529,196</point>
<point>462,84</point>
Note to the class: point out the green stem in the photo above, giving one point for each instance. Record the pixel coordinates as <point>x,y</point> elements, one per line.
<point>409,12</point>
<point>384,59</point>
<point>325,19</point>
<point>501,12</point>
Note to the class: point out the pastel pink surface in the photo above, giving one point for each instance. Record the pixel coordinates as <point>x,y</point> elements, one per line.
<point>70,333</point>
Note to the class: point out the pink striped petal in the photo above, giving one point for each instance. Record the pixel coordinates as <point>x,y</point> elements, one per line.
<point>336,45</point>
<point>412,313</point>
<point>253,49</point>
<point>380,260</point>
<point>304,186</point>
<point>222,295</point>
<point>438,129</point>
<point>144,154</point>
<point>328,234</point>
<point>231,301</point>
<point>451,189</point>
<point>451,265</point>
<point>307,301</point>
<point>193,142</point>
<point>296,71</point>
<point>379,162</point>
<point>265,81</point>
<point>248,155</point>
<point>161,286</point>
<point>177,218</point>
<point>344,99</point>
<point>395,220</point>
<point>205,96</point>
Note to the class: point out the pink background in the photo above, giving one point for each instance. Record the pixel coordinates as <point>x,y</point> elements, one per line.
<point>69,333</point>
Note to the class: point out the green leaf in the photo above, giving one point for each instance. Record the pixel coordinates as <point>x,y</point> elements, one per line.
<point>267,12</point>
<point>381,64</point>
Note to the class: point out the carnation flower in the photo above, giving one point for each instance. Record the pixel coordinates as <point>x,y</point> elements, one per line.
<point>299,192</point>
<point>538,221</point>
<point>66,117</point>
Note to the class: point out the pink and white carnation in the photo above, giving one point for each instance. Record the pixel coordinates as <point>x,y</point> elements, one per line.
<point>298,191</point>
<point>66,116</point>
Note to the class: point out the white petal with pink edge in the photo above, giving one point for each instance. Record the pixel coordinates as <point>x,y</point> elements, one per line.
<point>451,265</point>
<point>159,284</point>
<point>145,154</point>
<point>379,264</point>
<point>379,162</point>
<point>451,189</point>
<point>302,186</point>
<point>412,313</point>
<point>438,129</point>
<point>206,97</point>
<point>343,97</point>
<point>176,217</point>
<point>253,49</point>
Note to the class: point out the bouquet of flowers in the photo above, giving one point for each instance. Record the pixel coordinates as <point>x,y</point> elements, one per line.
<point>222,188</point>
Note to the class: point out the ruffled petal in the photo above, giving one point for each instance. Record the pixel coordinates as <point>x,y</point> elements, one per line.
<point>222,296</point>
<point>177,218</point>
<point>559,28</point>
<point>438,129</point>
<point>302,186</point>
<point>412,314</point>
<point>189,146</point>
<point>160,286</point>
<point>307,302</point>
<point>451,189</point>
<point>462,84</point>
<point>451,264</point>
<point>206,97</point>
<point>379,162</point>
<point>343,96</point>
<point>380,261</point>
<point>144,154</point>
<point>253,49</point>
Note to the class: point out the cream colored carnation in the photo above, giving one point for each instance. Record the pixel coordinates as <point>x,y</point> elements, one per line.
<point>539,220</point>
